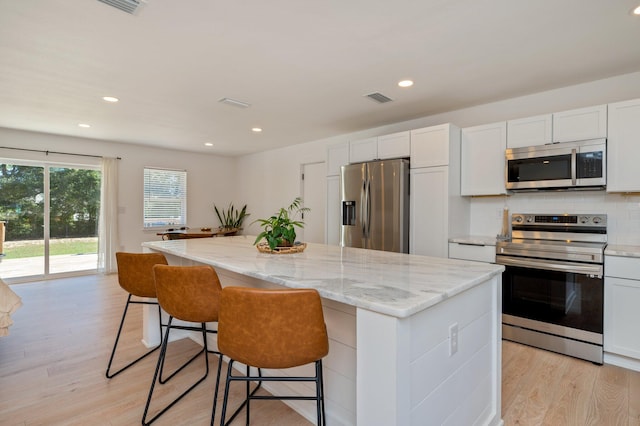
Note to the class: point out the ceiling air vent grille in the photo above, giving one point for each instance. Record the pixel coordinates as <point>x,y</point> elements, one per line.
<point>234,102</point>
<point>129,6</point>
<point>379,97</point>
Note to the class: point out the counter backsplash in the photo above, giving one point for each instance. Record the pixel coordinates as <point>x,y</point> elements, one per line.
<point>623,211</point>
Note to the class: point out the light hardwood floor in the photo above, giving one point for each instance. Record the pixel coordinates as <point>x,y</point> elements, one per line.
<point>52,371</point>
<point>545,388</point>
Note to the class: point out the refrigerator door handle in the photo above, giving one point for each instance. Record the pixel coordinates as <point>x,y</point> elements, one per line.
<point>368,208</point>
<point>363,221</point>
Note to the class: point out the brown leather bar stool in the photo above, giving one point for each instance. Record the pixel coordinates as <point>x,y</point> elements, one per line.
<point>272,329</point>
<point>191,294</point>
<point>135,276</point>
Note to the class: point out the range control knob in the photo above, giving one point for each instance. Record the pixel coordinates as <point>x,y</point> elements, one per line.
<point>530,219</point>
<point>597,219</point>
<point>583,219</point>
<point>517,218</point>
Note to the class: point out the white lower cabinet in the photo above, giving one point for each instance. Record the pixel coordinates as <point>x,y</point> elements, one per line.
<point>475,252</point>
<point>622,311</point>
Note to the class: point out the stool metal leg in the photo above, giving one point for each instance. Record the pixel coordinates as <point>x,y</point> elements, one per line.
<point>159,366</point>
<point>320,393</point>
<point>248,378</point>
<point>215,394</point>
<point>317,378</point>
<point>108,373</point>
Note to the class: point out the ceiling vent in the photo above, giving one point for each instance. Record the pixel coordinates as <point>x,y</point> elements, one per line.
<point>235,103</point>
<point>129,6</point>
<point>379,97</point>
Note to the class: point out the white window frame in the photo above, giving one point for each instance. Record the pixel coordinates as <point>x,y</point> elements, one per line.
<point>168,186</point>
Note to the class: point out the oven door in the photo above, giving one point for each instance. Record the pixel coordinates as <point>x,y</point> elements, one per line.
<point>567,297</point>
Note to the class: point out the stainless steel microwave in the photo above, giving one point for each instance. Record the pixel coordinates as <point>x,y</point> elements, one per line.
<point>566,165</point>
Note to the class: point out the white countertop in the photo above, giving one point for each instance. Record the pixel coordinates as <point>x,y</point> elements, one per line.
<point>622,250</point>
<point>389,283</point>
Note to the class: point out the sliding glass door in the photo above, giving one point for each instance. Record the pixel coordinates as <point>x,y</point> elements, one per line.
<point>51,219</point>
<point>22,211</point>
<point>74,208</point>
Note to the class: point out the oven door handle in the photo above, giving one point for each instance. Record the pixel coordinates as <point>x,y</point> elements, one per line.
<point>596,270</point>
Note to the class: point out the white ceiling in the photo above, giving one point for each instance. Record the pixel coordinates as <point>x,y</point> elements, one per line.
<point>304,66</point>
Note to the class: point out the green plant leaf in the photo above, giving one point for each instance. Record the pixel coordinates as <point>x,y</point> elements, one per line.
<point>281,226</point>
<point>231,217</point>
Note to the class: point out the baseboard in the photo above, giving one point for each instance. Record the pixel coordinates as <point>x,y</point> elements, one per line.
<point>622,361</point>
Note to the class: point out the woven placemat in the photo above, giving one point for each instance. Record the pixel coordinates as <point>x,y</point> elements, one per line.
<point>263,247</point>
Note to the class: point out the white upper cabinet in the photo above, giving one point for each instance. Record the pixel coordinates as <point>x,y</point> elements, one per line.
<point>483,159</point>
<point>363,150</point>
<point>623,147</point>
<point>396,145</point>
<point>337,156</point>
<point>580,124</point>
<point>529,131</point>
<point>430,146</point>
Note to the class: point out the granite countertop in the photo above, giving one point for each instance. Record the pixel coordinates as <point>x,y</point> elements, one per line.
<point>622,250</point>
<point>476,240</point>
<point>394,284</point>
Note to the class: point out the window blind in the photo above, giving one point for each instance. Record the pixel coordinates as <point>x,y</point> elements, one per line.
<point>165,197</point>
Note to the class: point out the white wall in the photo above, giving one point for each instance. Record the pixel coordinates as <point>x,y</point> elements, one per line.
<point>270,179</point>
<point>209,178</point>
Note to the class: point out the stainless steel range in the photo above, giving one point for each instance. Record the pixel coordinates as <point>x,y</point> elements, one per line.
<point>553,284</point>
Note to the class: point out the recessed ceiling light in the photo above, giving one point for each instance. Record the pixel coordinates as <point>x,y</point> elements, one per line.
<point>208,144</point>
<point>405,83</point>
<point>110,99</point>
<point>256,129</point>
<point>636,11</point>
<point>84,125</point>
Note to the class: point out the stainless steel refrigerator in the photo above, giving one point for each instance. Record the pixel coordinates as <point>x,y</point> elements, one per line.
<point>375,205</point>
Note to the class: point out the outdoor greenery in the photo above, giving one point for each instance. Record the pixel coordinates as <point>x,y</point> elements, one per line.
<point>74,202</point>
<point>279,229</point>
<point>56,247</point>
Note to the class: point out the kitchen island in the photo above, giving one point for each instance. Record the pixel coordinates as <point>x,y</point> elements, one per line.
<point>414,340</point>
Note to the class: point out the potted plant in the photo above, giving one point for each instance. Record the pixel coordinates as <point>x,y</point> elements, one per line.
<point>279,229</point>
<point>231,219</point>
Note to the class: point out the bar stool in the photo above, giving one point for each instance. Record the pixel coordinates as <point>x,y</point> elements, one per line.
<point>192,294</point>
<point>272,329</point>
<point>135,276</point>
